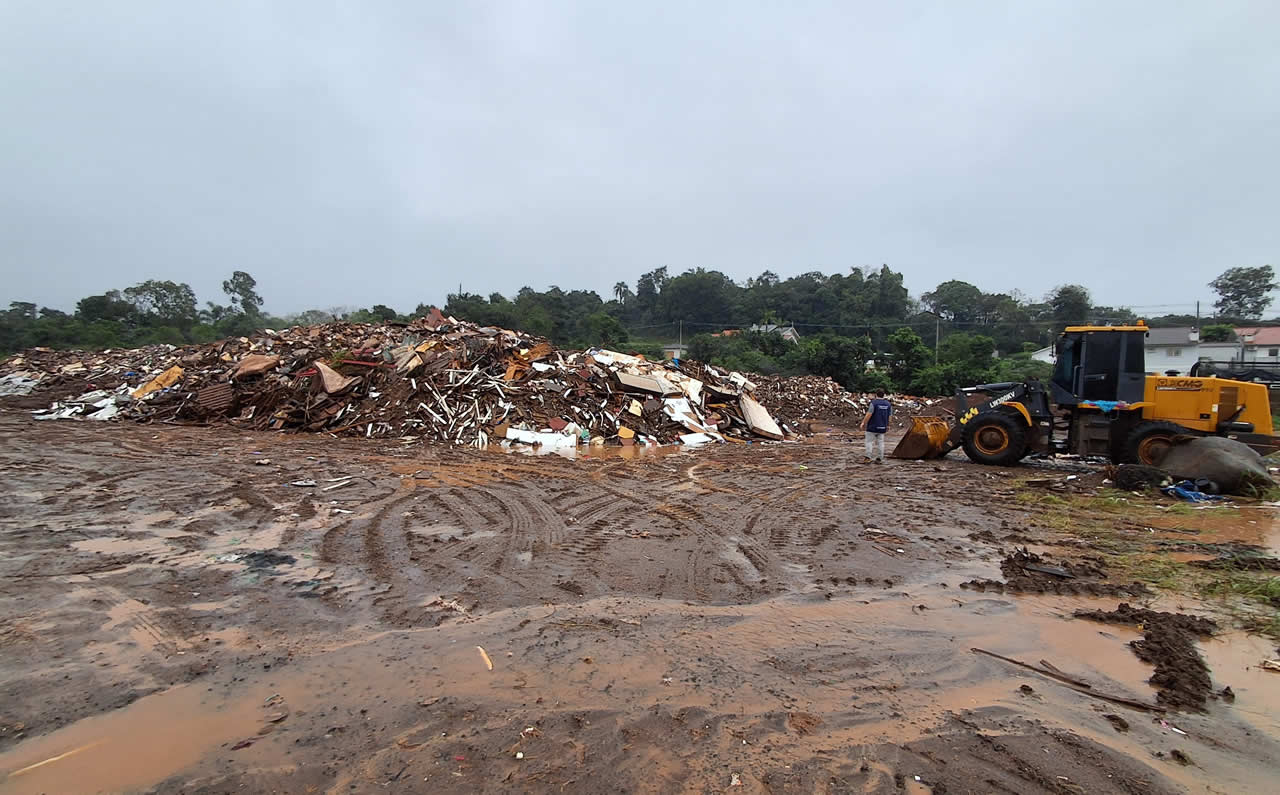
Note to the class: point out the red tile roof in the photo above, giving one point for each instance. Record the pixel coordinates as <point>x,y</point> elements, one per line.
<point>1259,335</point>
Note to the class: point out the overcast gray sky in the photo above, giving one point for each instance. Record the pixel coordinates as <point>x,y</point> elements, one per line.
<point>382,152</point>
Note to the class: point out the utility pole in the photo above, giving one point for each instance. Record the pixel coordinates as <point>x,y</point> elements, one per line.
<point>937,336</point>
<point>680,343</point>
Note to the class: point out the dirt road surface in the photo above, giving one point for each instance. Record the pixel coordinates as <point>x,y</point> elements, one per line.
<point>202,610</point>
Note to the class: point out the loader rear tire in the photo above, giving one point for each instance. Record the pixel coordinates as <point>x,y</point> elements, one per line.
<point>1149,441</point>
<point>995,438</point>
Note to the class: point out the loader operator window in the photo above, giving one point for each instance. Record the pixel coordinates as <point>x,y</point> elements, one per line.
<point>1102,366</point>
<point>1068,358</point>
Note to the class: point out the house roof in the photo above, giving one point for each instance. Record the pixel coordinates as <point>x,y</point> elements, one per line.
<point>1259,335</point>
<point>1179,335</point>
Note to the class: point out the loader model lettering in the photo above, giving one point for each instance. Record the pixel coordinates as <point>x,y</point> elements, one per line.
<point>1000,401</point>
<point>1178,385</point>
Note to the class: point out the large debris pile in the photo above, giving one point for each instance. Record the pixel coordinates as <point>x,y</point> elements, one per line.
<point>438,379</point>
<point>821,399</point>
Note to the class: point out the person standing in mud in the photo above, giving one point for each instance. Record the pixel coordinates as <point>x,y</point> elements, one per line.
<point>876,423</point>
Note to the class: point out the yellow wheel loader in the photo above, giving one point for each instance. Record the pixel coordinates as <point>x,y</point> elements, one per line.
<point>1100,402</point>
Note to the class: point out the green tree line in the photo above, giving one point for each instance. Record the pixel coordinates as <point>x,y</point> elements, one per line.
<point>862,328</point>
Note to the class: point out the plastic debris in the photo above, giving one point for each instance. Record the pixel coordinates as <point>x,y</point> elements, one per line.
<point>20,383</point>
<point>1186,490</point>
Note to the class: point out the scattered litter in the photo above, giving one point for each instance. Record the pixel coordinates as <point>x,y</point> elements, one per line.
<point>735,780</point>
<point>484,655</point>
<point>1186,490</point>
<point>1166,725</point>
<point>306,484</point>
<point>23,770</point>
<point>452,604</point>
<point>1270,665</point>
<point>347,482</point>
<point>263,462</point>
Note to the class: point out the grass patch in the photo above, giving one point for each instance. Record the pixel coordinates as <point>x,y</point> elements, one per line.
<point>1115,525</point>
<point>1159,571</point>
<point>1247,585</point>
<point>1251,598</point>
<point>1032,498</point>
<point>1270,495</point>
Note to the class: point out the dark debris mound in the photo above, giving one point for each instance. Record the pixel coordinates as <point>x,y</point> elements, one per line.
<point>1027,572</point>
<point>820,399</point>
<point>1138,477</point>
<point>1168,643</point>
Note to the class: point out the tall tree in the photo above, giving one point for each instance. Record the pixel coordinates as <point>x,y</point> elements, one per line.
<point>1244,292</point>
<point>955,301</point>
<point>908,355</point>
<point>164,303</point>
<point>648,288</point>
<point>240,289</point>
<point>1069,303</point>
<point>23,310</point>
<point>108,306</point>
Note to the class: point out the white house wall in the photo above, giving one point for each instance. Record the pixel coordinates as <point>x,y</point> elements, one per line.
<point>1160,358</point>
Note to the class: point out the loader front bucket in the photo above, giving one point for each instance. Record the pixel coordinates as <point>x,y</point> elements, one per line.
<point>927,438</point>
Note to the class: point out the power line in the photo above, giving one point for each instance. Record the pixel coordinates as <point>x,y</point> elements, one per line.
<point>894,325</point>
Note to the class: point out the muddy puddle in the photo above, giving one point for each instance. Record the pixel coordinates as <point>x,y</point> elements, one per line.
<point>131,749</point>
<point>1250,527</point>
<point>806,680</point>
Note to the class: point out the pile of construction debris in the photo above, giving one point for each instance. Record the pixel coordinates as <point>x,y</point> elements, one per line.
<point>821,399</point>
<point>437,379</point>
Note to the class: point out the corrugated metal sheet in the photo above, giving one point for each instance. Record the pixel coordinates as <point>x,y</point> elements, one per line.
<point>217,398</point>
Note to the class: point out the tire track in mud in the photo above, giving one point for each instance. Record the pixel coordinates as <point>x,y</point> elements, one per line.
<point>529,520</point>
<point>144,624</point>
<point>373,552</point>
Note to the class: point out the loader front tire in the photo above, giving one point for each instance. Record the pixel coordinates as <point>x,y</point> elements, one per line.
<point>1149,441</point>
<point>995,438</point>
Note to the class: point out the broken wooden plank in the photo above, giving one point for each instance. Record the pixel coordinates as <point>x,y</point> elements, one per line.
<point>648,383</point>
<point>758,419</point>
<point>1074,684</point>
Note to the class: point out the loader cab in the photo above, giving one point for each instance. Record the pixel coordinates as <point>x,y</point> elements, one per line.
<point>1100,363</point>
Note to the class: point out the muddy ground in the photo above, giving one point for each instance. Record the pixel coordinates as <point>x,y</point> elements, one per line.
<point>176,616</point>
